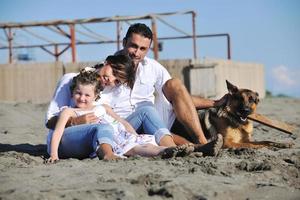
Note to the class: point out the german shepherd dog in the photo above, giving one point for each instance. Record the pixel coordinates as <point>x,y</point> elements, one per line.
<point>230,120</point>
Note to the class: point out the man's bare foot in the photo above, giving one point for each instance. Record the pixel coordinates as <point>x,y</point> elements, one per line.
<point>178,151</point>
<point>212,148</point>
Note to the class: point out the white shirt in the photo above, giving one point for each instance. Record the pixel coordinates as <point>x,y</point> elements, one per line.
<point>150,78</point>
<point>62,96</point>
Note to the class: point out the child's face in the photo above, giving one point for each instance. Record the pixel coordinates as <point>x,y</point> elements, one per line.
<point>84,95</point>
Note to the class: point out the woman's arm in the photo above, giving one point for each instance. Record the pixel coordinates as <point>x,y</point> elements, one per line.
<point>126,124</point>
<point>58,132</point>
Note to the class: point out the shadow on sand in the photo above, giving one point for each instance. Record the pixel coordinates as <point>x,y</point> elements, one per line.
<point>33,150</point>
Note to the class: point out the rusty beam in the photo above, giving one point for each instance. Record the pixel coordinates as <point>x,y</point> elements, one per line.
<point>205,36</point>
<point>56,52</point>
<point>10,47</point>
<point>46,50</point>
<point>118,35</point>
<point>89,20</point>
<point>228,47</point>
<point>194,35</point>
<point>73,46</point>
<point>115,41</point>
<point>155,41</point>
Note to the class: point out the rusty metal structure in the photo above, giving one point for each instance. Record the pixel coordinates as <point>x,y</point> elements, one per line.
<point>55,26</point>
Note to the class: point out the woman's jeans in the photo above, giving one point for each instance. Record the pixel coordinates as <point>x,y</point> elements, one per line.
<point>145,119</point>
<point>82,141</point>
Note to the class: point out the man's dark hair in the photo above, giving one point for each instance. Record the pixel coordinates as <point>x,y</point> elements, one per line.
<point>141,29</point>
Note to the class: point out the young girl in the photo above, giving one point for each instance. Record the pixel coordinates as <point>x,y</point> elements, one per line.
<point>85,91</point>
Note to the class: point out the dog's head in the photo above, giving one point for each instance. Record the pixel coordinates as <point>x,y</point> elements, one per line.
<point>241,102</point>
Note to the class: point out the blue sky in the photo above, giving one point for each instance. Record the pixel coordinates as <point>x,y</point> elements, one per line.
<point>262,31</point>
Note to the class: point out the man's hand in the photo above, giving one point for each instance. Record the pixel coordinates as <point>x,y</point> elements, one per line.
<point>221,101</point>
<point>89,118</point>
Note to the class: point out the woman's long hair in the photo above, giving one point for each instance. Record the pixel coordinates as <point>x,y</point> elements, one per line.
<point>123,68</point>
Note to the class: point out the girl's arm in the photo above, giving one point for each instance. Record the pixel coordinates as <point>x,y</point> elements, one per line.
<point>128,126</point>
<point>58,132</point>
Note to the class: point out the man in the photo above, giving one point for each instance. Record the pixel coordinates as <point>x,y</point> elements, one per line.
<point>171,99</point>
<point>150,76</point>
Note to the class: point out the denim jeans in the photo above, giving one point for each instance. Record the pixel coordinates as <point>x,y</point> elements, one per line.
<point>81,141</point>
<point>145,119</point>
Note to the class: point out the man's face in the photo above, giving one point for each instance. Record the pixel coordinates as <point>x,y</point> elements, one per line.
<point>106,76</point>
<point>137,47</point>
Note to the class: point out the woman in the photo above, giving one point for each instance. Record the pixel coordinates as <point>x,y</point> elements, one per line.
<point>85,90</point>
<point>114,79</point>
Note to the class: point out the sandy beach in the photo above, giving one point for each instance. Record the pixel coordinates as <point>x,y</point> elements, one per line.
<point>233,174</point>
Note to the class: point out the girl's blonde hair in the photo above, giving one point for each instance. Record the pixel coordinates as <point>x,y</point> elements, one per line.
<point>87,78</point>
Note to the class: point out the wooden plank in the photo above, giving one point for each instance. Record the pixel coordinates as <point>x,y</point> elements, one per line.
<point>281,126</point>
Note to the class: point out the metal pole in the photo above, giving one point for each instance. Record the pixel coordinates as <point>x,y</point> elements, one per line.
<point>194,34</point>
<point>56,52</point>
<point>155,41</point>
<point>228,47</point>
<point>73,46</point>
<point>118,35</point>
<point>10,38</point>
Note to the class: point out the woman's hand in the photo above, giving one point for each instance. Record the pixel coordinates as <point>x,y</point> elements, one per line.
<point>129,128</point>
<point>88,118</point>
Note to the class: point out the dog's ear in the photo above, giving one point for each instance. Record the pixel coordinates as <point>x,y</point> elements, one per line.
<point>231,88</point>
<point>257,98</point>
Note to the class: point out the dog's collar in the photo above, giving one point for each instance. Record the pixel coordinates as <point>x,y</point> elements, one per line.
<point>225,113</point>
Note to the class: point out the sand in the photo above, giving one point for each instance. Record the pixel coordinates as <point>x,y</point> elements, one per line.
<point>233,174</point>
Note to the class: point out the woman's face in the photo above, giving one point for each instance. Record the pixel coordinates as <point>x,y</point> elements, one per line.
<point>106,76</point>
<point>84,95</point>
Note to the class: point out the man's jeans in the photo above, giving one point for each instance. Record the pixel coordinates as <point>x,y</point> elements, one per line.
<point>145,119</point>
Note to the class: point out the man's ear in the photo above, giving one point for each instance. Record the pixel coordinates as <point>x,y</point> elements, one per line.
<point>231,88</point>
